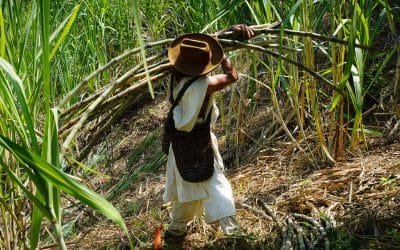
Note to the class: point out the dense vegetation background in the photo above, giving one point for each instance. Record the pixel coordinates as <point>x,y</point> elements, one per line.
<point>48,48</point>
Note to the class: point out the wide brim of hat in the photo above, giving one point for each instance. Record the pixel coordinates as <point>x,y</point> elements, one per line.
<point>217,54</point>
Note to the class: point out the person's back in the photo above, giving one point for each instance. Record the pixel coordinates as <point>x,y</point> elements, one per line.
<point>195,179</point>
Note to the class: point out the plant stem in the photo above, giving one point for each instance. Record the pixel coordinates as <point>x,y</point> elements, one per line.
<point>113,61</point>
<point>57,228</point>
<point>279,56</point>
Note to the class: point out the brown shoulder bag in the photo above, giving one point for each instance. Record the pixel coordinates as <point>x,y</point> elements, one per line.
<point>193,152</point>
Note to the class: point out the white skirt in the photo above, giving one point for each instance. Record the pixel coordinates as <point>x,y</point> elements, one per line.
<point>216,192</point>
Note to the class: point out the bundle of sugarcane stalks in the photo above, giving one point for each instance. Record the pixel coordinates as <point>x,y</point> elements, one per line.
<point>294,236</point>
<point>102,108</point>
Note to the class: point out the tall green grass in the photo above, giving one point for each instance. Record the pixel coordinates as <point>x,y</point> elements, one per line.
<point>354,21</point>
<point>30,150</point>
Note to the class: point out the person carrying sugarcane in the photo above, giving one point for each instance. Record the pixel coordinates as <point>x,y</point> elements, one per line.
<point>194,175</point>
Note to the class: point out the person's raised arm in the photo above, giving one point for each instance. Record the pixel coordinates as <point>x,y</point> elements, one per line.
<point>220,81</point>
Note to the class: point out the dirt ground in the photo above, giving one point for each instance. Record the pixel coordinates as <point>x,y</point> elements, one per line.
<point>357,202</point>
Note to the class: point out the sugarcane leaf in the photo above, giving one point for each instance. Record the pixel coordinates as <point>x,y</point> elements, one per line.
<point>381,67</point>
<point>350,90</point>
<point>9,108</point>
<point>23,40</point>
<point>51,150</point>
<point>3,39</point>
<point>349,62</point>
<point>350,53</point>
<point>45,30</point>
<point>364,31</point>
<point>378,25</point>
<point>42,207</point>
<point>22,118</point>
<point>253,13</point>
<point>71,20</point>
<point>291,13</point>
<point>218,17</point>
<point>37,219</point>
<point>357,73</point>
<point>68,23</point>
<point>372,132</point>
<point>60,180</point>
<point>341,26</point>
<point>386,5</point>
<point>39,207</point>
<point>138,28</point>
<point>21,98</point>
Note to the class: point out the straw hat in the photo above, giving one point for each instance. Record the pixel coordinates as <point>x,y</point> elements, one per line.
<point>195,54</point>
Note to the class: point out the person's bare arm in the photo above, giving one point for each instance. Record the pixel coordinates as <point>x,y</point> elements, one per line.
<point>229,76</point>
<point>220,81</point>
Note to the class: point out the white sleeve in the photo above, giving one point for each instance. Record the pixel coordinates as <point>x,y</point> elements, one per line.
<point>188,109</point>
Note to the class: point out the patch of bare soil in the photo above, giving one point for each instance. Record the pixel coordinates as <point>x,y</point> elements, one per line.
<point>282,199</point>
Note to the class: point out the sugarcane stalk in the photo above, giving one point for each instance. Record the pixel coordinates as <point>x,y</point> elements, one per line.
<point>131,89</point>
<point>97,94</point>
<point>98,99</point>
<point>109,122</point>
<point>290,233</point>
<point>87,100</point>
<point>285,239</point>
<point>267,209</point>
<point>257,211</point>
<point>63,131</point>
<point>320,228</point>
<point>94,105</point>
<point>258,30</point>
<point>273,25</point>
<point>100,111</point>
<point>278,46</point>
<point>120,58</point>
<point>328,225</point>
<point>312,221</point>
<point>327,243</point>
<point>136,87</point>
<point>300,236</point>
<point>138,74</point>
<point>85,115</point>
<point>101,69</point>
<point>115,100</point>
<point>119,81</point>
<point>112,62</point>
<point>315,36</point>
<point>282,127</point>
<point>164,64</point>
<point>100,121</point>
<point>162,67</point>
<point>328,83</point>
<point>67,126</point>
<point>105,107</point>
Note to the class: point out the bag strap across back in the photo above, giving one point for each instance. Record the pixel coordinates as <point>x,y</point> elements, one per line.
<point>181,93</point>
